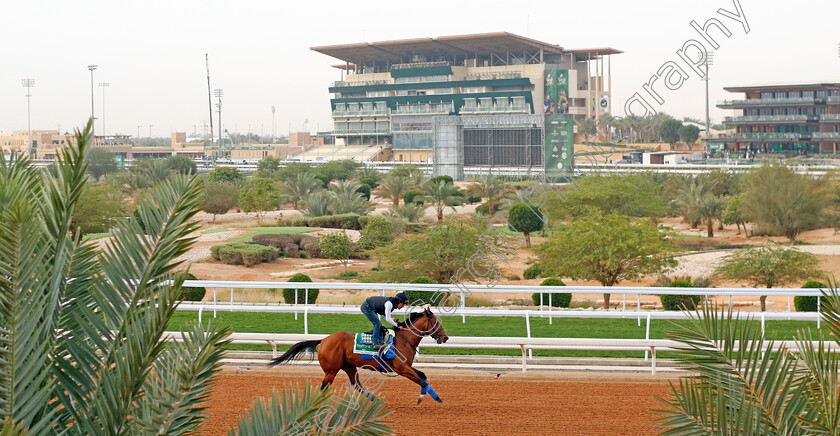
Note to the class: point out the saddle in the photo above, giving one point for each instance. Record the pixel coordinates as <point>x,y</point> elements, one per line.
<point>364,343</point>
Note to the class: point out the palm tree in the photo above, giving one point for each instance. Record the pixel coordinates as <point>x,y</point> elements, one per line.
<point>743,383</point>
<point>588,129</point>
<point>393,187</point>
<point>690,194</point>
<point>411,212</point>
<point>300,186</point>
<point>441,194</point>
<point>711,210</point>
<point>491,187</point>
<point>318,203</point>
<point>82,348</point>
<point>348,199</point>
<point>606,122</point>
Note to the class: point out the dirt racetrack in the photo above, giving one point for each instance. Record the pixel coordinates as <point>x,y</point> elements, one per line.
<point>536,403</point>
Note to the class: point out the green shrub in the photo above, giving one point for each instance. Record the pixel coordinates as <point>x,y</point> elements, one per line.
<point>364,190</point>
<point>433,298</point>
<point>557,299</point>
<point>532,272</point>
<point>438,179</point>
<point>483,208</point>
<point>242,254</point>
<point>410,195</point>
<point>289,294</point>
<point>189,293</point>
<point>347,275</point>
<point>368,180</point>
<point>679,302</point>
<point>808,303</point>
<point>347,221</point>
<point>474,200</point>
<point>416,227</point>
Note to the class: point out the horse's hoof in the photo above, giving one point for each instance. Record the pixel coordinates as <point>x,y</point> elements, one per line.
<point>440,403</point>
<point>419,399</point>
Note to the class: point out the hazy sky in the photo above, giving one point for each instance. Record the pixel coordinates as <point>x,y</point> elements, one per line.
<point>152,53</point>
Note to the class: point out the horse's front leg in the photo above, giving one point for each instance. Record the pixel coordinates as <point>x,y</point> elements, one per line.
<point>419,377</point>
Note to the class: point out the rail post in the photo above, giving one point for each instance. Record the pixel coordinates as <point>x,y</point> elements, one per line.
<point>524,360</point>
<point>528,330</point>
<point>639,310</point>
<point>214,302</point>
<point>550,319</point>
<point>199,313</point>
<point>306,321</point>
<point>647,334</point>
<point>295,303</point>
<point>818,312</point>
<point>463,308</point>
<point>624,302</point>
<point>231,299</point>
<point>541,301</point>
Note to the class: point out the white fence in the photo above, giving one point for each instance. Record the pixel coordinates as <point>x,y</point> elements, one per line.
<point>464,312</point>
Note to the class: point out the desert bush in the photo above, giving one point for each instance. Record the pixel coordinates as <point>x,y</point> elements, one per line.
<point>409,196</point>
<point>558,299</point>
<point>289,294</point>
<point>192,293</point>
<point>804,303</point>
<point>242,254</point>
<point>433,298</point>
<point>679,302</point>
<point>532,272</point>
<point>483,208</point>
<point>348,221</point>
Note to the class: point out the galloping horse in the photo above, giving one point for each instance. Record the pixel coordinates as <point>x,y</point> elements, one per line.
<point>336,353</point>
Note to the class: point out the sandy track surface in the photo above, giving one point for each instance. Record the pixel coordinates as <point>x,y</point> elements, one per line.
<point>476,404</point>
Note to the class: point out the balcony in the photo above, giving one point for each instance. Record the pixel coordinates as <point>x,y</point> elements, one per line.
<point>830,118</point>
<point>379,110</point>
<point>768,137</point>
<point>795,101</point>
<point>833,99</point>
<point>770,119</point>
<point>433,108</point>
<point>826,136</point>
<point>363,131</point>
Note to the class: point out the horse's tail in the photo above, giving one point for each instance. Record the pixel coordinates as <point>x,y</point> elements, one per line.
<point>295,351</point>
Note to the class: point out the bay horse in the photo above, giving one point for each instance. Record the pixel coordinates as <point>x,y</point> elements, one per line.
<point>335,353</point>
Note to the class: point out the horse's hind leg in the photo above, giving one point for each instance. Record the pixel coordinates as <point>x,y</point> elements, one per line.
<point>329,376</point>
<point>353,374</point>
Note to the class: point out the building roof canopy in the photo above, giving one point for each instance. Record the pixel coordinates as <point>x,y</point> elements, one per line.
<point>403,50</point>
<point>812,85</point>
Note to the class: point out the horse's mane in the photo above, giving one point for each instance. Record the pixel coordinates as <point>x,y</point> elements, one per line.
<point>415,315</point>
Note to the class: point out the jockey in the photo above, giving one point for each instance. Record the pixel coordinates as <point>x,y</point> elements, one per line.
<point>375,306</point>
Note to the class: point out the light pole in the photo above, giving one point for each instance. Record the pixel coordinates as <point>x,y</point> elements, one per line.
<point>92,68</point>
<point>708,59</point>
<point>28,84</point>
<point>150,131</point>
<point>138,132</point>
<point>103,85</point>
<point>218,93</point>
<point>273,132</point>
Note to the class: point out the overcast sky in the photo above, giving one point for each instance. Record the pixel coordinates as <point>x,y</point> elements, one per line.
<point>152,53</point>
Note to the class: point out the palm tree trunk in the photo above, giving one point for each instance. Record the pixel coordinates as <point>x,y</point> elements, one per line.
<point>440,213</point>
<point>527,238</point>
<point>396,201</point>
<point>710,228</point>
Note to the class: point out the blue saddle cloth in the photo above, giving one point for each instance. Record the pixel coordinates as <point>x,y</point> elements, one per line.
<point>387,354</point>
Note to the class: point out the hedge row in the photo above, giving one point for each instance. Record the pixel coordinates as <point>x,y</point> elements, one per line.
<point>348,221</point>
<point>291,245</point>
<point>242,254</point>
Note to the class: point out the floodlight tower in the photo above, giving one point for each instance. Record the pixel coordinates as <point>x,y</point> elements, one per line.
<point>218,93</point>
<point>273,133</point>
<point>92,68</point>
<point>28,84</point>
<point>103,85</point>
<point>708,60</point>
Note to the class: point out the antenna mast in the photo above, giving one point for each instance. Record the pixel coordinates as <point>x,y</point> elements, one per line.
<point>210,102</point>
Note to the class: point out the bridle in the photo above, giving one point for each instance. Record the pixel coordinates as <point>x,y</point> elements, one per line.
<point>436,335</point>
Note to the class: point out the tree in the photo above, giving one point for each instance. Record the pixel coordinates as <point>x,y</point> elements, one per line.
<point>670,131</point>
<point>219,197</point>
<point>155,170</point>
<point>588,129</point>
<point>768,267</point>
<point>607,248</point>
<point>393,187</point>
<point>318,204</point>
<point>348,199</point>
<point>733,213</point>
<point>689,133</point>
<point>493,188</point>
<point>100,162</point>
<point>741,382</point>
<point>439,252</point>
<point>336,246</point>
<point>783,202</point>
<point>378,232</point>
<point>711,210</point>
<point>259,195</point>
<point>268,166</point>
<point>99,206</point>
<point>83,347</point>
<point>226,174</point>
<point>180,164</point>
<point>337,169</point>
<point>690,197</point>
<point>526,220</point>
<point>300,186</point>
<point>637,195</point>
<point>411,172</point>
<point>441,194</point>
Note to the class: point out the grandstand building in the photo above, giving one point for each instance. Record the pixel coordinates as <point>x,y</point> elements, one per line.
<point>487,93</point>
<point>803,117</point>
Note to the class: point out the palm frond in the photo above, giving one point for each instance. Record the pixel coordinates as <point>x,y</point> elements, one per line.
<point>307,411</point>
<point>181,381</point>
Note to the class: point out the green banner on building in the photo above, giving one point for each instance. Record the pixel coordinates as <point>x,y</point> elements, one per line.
<point>559,124</point>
